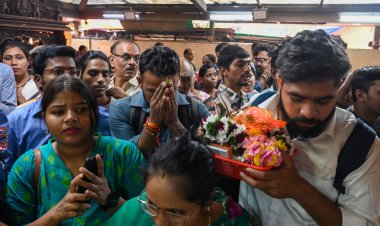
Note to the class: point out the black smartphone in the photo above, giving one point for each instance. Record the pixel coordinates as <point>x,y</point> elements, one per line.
<point>91,165</point>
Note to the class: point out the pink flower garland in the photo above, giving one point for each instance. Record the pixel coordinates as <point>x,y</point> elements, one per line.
<point>262,151</point>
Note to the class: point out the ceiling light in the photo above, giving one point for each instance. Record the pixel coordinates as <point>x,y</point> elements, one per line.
<point>113,16</point>
<point>129,15</point>
<point>231,16</point>
<point>359,18</point>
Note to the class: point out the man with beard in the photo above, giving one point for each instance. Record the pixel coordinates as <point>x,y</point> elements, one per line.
<point>301,191</point>
<point>234,66</point>
<point>262,61</point>
<point>124,59</point>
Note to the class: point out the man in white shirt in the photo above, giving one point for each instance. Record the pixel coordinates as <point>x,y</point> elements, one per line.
<point>301,191</point>
<point>125,63</point>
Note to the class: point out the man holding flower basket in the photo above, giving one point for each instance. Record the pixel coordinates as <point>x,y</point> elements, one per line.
<point>302,191</point>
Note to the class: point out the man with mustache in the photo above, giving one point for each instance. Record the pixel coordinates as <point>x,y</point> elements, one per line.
<point>262,61</point>
<point>125,55</point>
<point>302,191</point>
<point>234,66</point>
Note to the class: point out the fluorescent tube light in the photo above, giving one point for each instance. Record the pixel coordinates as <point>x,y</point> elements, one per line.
<point>231,16</point>
<point>359,17</point>
<point>119,16</point>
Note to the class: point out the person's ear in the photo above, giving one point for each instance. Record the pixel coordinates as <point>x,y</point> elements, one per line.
<point>209,202</point>
<point>112,61</point>
<point>223,71</point>
<point>278,81</point>
<point>39,82</point>
<point>360,95</point>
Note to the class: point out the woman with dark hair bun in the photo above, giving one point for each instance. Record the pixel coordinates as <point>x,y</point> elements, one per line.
<point>180,190</point>
<point>16,55</point>
<point>95,70</point>
<point>208,59</point>
<point>209,79</point>
<point>51,186</point>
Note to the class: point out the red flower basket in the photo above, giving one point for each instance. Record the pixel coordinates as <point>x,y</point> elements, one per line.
<point>232,168</point>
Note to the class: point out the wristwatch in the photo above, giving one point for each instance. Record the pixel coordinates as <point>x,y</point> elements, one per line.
<point>112,200</point>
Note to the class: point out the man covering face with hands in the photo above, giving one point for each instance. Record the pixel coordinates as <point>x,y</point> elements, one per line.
<point>158,112</point>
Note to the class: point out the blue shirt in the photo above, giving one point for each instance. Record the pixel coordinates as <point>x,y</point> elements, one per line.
<point>27,130</point>
<point>120,113</point>
<point>8,99</point>
<point>3,148</point>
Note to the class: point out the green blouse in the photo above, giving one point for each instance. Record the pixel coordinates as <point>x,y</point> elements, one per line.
<point>122,162</point>
<point>131,214</point>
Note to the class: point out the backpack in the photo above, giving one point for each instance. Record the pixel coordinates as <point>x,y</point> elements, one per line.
<point>187,115</point>
<point>354,151</point>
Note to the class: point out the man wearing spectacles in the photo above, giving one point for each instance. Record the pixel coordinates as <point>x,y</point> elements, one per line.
<point>125,56</point>
<point>27,128</point>
<point>262,61</point>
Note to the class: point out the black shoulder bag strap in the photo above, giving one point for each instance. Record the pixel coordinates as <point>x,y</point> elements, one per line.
<point>137,119</point>
<point>353,153</point>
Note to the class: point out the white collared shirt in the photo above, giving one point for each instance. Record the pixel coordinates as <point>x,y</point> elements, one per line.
<point>131,87</point>
<point>316,161</point>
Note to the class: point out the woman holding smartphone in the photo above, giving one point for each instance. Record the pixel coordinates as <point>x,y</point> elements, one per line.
<point>71,115</point>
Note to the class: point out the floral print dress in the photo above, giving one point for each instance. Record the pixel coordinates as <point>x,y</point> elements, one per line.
<point>122,162</point>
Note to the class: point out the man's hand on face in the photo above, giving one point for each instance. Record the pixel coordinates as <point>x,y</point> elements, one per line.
<point>158,105</point>
<point>171,105</point>
<point>116,92</point>
<point>281,182</point>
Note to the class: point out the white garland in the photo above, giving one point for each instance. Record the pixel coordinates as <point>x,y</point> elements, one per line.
<point>221,136</point>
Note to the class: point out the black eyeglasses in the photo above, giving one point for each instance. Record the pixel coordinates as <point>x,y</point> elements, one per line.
<point>127,57</point>
<point>94,72</point>
<point>62,71</point>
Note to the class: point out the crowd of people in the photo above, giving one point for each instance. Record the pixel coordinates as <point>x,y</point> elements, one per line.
<point>90,139</point>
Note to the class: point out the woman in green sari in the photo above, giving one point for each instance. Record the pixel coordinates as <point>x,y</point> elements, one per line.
<point>180,190</point>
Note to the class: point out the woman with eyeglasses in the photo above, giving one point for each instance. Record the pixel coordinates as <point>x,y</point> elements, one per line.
<point>16,55</point>
<point>50,185</point>
<point>180,190</point>
<point>95,70</point>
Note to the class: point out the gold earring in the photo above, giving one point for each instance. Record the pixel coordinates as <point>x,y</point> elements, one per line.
<point>209,216</point>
